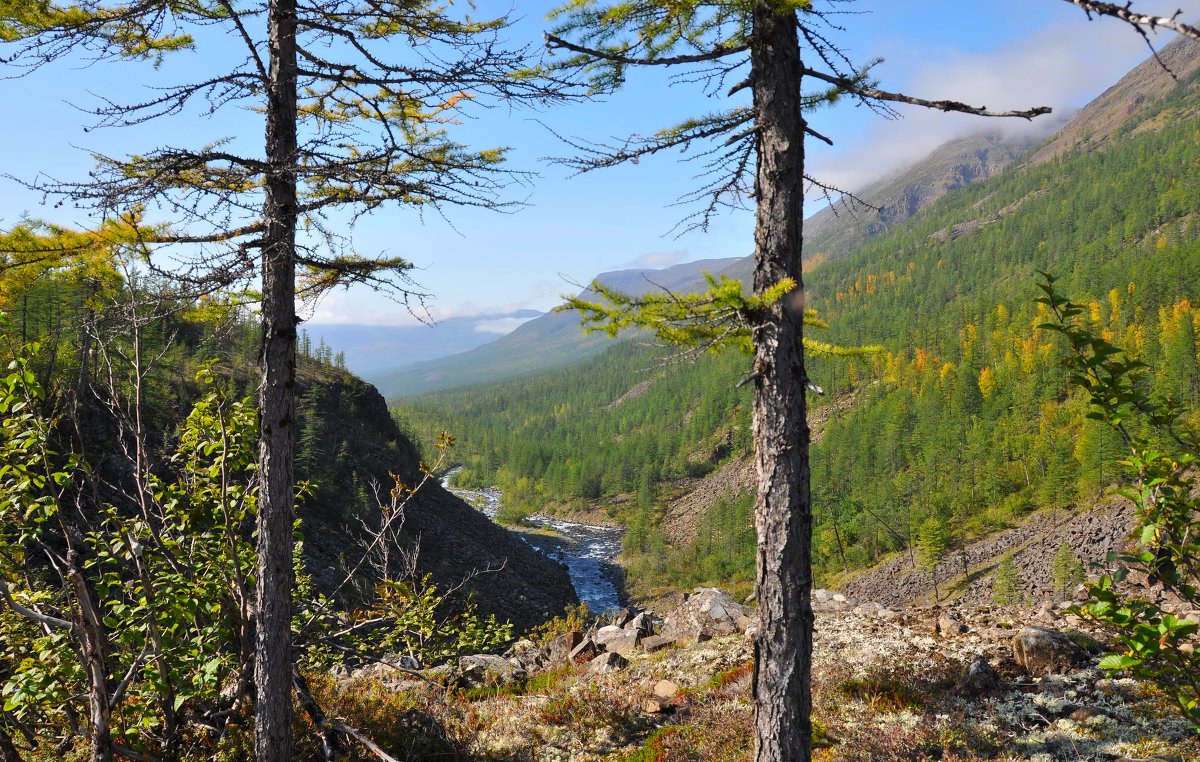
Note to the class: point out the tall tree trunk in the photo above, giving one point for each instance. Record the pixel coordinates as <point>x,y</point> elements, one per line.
<point>277,358</point>
<point>783,514</point>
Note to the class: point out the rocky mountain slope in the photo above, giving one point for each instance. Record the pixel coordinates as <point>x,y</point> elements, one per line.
<point>349,447</point>
<point>835,230</point>
<point>1136,92</point>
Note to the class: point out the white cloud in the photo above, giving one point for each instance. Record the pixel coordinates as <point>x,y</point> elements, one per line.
<point>1064,65</point>
<point>654,260</point>
<point>353,308</point>
<point>500,326</point>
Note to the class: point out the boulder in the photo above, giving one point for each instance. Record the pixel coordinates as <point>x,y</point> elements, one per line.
<point>623,642</point>
<point>1043,651</point>
<point>1046,614</point>
<point>621,617</point>
<point>665,689</point>
<point>706,614</point>
<point>558,650</point>
<point>607,662</point>
<point>979,678</point>
<point>948,624</point>
<point>485,669</point>
<point>584,652</point>
<point>657,643</point>
<point>643,623</point>
<point>655,706</point>
<point>602,635</point>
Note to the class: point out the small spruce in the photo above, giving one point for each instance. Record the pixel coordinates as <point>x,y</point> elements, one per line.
<point>1066,569</point>
<point>1007,586</point>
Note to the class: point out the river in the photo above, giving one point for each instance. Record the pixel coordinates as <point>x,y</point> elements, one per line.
<point>588,551</point>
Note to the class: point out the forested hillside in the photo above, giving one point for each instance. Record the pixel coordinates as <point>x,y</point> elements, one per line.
<point>964,424</point>
<point>122,360</point>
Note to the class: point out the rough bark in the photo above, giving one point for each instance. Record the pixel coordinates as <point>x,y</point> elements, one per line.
<point>783,516</point>
<point>92,641</point>
<point>273,647</point>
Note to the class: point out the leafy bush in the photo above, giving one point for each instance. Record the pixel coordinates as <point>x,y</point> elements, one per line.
<point>1156,645</point>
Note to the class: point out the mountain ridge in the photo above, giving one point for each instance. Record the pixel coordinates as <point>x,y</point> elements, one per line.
<point>550,341</point>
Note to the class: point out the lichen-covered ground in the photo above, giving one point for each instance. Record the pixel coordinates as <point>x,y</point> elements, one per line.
<point>885,688</point>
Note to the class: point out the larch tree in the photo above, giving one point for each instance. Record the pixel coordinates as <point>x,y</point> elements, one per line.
<point>356,99</point>
<point>752,151</point>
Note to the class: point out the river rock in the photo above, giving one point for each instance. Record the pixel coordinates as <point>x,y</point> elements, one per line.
<point>1043,651</point>
<point>706,614</point>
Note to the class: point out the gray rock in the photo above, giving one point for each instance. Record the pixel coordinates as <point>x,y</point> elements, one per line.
<point>607,662</point>
<point>1042,651</point>
<point>623,642</point>
<point>621,617</point>
<point>706,614</point>
<point>657,643</point>
<point>584,652</point>
<point>979,678</point>
<point>641,623</point>
<point>603,634</point>
<point>485,669</point>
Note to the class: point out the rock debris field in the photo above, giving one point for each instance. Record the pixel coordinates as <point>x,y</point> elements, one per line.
<point>950,683</point>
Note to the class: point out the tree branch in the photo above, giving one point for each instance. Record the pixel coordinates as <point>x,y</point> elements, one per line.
<point>1126,13</point>
<point>554,42</point>
<point>37,616</point>
<point>871,93</point>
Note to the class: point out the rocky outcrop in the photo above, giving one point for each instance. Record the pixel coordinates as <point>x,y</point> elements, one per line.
<point>1133,95</point>
<point>705,614</point>
<point>922,683</point>
<point>503,575</point>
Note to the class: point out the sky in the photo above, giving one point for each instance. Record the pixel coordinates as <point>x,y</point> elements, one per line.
<point>1005,55</point>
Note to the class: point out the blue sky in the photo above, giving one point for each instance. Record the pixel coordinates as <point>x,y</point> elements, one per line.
<point>1012,54</point>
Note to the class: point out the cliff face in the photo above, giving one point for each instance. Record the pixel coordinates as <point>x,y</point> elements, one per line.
<point>831,233</point>
<point>348,447</point>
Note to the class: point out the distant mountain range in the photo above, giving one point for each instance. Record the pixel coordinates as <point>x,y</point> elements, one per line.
<point>549,341</point>
<point>371,349</point>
